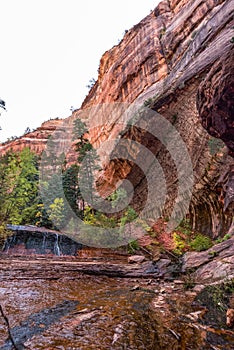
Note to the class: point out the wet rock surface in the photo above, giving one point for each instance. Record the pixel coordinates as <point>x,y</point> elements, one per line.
<point>32,240</point>
<point>54,302</point>
<point>53,268</point>
<point>70,302</point>
<point>162,61</point>
<point>38,323</point>
<point>100,314</point>
<point>84,312</point>
<point>38,244</point>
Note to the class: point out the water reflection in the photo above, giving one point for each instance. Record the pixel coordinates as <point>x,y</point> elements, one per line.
<point>98,314</point>
<point>104,313</point>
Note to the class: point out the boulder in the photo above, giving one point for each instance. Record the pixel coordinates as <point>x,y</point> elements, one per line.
<point>136,259</point>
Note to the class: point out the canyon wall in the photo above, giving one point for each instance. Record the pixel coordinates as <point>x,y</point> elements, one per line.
<point>164,62</point>
<point>177,62</point>
<point>36,140</point>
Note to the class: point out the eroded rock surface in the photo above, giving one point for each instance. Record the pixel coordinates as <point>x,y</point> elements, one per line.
<point>215,99</point>
<point>174,49</point>
<point>214,264</point>
<point>163,62</point>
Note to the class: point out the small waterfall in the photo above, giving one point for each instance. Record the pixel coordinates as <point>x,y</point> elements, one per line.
<point>30,240</point>
<point>9,242</point>
<point>57,250</point>
<point>5,246</point>
<point>43,242</point>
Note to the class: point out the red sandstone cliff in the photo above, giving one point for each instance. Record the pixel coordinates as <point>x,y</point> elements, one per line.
<point>35,140</point>
<point>173,61</point>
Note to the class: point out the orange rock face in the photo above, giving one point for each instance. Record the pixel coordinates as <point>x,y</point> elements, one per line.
<point>163,62</point>
<point>230,317</point>
<point>35,140</point>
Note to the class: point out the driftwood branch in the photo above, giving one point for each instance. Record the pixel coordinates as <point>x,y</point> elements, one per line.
<point>146,251</point>
<point>8,328</point>
<point>176,335</point>
<point>170,253</point>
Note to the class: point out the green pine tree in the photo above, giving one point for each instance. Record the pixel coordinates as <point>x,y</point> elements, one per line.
<point>71,187</point>
<point>88,163</point>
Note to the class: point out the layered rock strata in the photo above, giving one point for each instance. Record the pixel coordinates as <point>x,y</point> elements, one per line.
<point>175,48</point>
<point>171,62</point>
<point>36,140</point>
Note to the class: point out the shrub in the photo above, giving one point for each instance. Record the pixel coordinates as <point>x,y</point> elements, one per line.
<point>133,246</point>
<point>180,245</point>
<point>201,242</point>
<point>189,281</point>
<point>147,103</point>
<point>96,218</point>
<point>224,238</point>
<point>185,228</point>
<point>186,239</point>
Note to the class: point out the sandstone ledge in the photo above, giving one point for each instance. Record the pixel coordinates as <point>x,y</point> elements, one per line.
<point>214,264</point>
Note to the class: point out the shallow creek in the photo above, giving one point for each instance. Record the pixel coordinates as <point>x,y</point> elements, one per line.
<point>79,311</point>
<point>103,313</point>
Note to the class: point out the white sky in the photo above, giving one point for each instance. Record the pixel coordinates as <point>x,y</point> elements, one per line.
<point>50,49</point>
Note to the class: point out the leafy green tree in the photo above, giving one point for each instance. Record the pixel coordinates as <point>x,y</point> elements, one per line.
<point>99,219</point>
<point>56,212</point>
<point>42,217</point>
<point>19,187</point>
<point>53,163</point>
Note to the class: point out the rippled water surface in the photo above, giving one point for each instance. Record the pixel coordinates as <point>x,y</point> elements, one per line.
<point>88,313</point>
